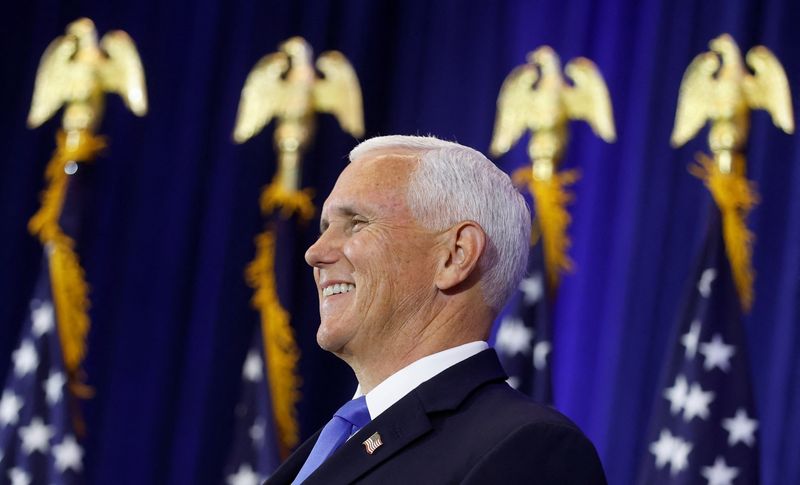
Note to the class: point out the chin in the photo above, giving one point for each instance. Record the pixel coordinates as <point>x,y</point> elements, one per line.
<point>327,339</point>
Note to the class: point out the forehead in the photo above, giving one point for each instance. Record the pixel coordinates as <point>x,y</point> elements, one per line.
<point>377,181</point>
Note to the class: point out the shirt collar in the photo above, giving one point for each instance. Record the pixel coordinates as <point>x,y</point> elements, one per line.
<point>409,377</point>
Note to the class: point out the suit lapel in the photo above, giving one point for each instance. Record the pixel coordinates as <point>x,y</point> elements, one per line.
<point>406,420</point>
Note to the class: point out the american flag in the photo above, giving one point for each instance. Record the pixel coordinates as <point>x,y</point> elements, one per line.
<point>37,442</point>
<point>254,453</point>
<point>704,428</point>
<point>524,336</point>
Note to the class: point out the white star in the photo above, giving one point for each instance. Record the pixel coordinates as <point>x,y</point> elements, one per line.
<point>54,386</point>
<point>717,353</point>
<point>680,456</point>
<point>671,449</point>
<point>19,477</point>
<point>42,318</point>
<point>704,285</point>
<point>68,454</point>
<point>257,431</point>
<point>513,381</point>
<point>252,367</point>
<point>697,402</point>
<point>532,288</point>
<point>720,473</point>
<point>245,476</point>
<point>25,359</point>
<point>513,337</point>
<point>740,428</point>
<point>690,339</point>
<point>676,395</point>
<point>36,436</point>
<point>10,404</point>
<point>540,352</point>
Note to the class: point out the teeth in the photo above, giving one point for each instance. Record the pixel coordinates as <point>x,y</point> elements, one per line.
<point>338,288</point>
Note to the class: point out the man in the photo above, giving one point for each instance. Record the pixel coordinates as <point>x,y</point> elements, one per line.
<point>422,241</point>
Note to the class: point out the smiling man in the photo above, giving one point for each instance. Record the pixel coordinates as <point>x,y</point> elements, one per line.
<point>422,241</point>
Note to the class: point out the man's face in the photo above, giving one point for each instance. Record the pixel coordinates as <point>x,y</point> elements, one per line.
<point>373,263</point>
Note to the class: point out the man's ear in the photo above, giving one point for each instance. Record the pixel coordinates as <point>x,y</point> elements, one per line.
<point>463,246</point>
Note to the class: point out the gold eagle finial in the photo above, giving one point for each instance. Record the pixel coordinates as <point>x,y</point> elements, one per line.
<point>76,71</point>
<point>285,85</point>
<point>718,88</point>
<point>535,97</point>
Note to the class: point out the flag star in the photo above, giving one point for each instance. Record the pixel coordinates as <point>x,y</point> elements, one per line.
<point>676,395</point>
<point>25,359</point>
<point>257,431</point>
<point>53,387</point>
<point>671,449</point>
<point>36,436</point>
<point>740,428</point>
<point>690,339</point>
<point>19,477</point>
<point>244,476</point>
<point>252,367</point>
<point>680,456</point>
<point>697,402</point>
<point>720,473</point>
<point>10,404</point>
<point>717,353</point>
<point>513,337</point>
<point>540,353</point>
<point>704,285</point>
<point>68,454</point>
<point>42,317</point>
<point>533,288</point>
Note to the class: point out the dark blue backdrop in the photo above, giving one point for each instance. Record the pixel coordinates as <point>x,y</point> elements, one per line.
<point>172,210</point>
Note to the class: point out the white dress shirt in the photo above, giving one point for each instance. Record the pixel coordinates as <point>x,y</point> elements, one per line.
<point>409,377</point>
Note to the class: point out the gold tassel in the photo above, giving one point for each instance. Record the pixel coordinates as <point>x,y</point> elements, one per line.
<point>67,279</point>
<point>290,202</point>
<point>551,197</point>
<point>280,348</point>
<point>70,291</point>
<point>736,197</point>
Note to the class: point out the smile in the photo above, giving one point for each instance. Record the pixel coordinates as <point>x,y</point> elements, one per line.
<point>338,288</point>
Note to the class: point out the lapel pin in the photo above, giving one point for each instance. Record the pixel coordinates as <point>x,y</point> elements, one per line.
<point>373,443</point>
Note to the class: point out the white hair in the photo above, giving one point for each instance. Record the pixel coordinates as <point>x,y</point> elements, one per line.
<point>453,183</point>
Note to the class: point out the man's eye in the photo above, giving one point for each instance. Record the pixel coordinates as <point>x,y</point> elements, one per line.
<point>358,222</point>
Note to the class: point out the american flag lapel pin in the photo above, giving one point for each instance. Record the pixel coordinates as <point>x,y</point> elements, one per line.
<point>373,443</point>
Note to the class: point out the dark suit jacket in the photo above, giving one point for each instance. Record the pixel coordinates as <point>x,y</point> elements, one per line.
<point>465,425</point>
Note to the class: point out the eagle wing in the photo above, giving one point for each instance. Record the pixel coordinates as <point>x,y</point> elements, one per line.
<point>589,99</point>
<point>696,97</point>
<point>122,73</point>
<point>261,96</point>
<point>768,89</point>
<point>515,108</point>
<point>55,83</point>
<point>339,93</point>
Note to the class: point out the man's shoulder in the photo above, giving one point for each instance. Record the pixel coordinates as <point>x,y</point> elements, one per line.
<point>507,409</point>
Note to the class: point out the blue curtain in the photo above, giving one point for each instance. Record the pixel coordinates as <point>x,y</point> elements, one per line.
<point>170,211</point>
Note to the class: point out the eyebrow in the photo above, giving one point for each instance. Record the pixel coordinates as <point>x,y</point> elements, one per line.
<point>345,211</point>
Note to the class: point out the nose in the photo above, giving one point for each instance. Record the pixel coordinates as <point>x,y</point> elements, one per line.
<point>323,251</point>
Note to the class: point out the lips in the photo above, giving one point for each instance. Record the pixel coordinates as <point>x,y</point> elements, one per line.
<point>338,288</point>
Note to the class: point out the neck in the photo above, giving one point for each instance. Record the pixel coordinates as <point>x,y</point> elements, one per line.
<point>449,326</point>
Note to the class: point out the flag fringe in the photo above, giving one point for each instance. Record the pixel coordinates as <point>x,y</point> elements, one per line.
<point>280,348</point>
<point>736,196</point>
<point>551,197</point>
<point>276,196</point>
<point>69,287</point>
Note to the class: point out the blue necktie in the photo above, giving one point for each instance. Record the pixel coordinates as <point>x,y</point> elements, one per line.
<point>348,419</point>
